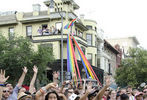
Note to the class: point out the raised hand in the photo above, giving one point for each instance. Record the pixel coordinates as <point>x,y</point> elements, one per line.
<point>52,85</point>
<point>25,70</point>
<point>108,81</point>
<point>35,69</point>
<point>3,79</point>
<point>89,87</point>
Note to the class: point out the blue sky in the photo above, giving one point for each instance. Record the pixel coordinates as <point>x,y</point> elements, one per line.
<point>118,18</point>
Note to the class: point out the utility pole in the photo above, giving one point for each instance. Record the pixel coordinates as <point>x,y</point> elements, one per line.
<point>51,8</point>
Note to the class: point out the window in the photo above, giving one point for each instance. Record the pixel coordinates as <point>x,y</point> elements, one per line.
<point>89,27</point>
<point>98,62</point>
<point>89,58</point>
<point>83,49</point>
<point>80,34</point>
<point>11,32</point>
<point>59,26</point>
<point>89,39</point>
<point>29,30</point>
<point>96,29</point>
<point>76,31</point>
<point>95,60</point>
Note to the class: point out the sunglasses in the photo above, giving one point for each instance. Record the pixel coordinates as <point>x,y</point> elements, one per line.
<point>6,91</point>
<point>28,99</point>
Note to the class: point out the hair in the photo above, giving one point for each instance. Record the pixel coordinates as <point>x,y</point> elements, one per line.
<point>93,94</point>
<point>129,86</point>
<point>124,97</point>
<point>46,97</point>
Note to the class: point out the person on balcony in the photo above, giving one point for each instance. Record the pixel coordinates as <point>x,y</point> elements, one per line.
<point>39,30</point>
<point>45,31</point>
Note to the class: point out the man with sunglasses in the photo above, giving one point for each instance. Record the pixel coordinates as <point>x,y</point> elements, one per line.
<point>12,95</point>
<point>6,93</point>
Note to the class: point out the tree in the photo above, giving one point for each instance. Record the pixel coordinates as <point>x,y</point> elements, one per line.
<point>133,70</point>
<point>17,53</point>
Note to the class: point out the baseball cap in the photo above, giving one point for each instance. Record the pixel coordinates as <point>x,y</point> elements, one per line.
<point>21,95</point>
<point>73,96</point>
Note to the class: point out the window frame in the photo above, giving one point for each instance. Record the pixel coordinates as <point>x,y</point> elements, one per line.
<point>89,27</point>
<point>27,34</point>
<point>90,59</point>
<point>91,39</point>
<point>11,34</point>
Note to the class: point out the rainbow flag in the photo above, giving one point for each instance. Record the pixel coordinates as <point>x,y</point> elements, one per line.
<point>71,24</point>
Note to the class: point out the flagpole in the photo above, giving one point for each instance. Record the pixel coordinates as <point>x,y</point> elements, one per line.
<point>51,8</point>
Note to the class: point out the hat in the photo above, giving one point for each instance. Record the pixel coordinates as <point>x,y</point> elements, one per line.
<point>138,93</point>
<point>73,97</point>
<point>21,95</point>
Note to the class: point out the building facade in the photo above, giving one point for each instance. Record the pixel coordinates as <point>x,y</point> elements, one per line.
<point>108,59</point>
<point>44,28</point>
<point>125,44</point>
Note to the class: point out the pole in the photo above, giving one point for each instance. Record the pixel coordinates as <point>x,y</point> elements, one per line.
<point>62,49</point>
<point>52,6</point>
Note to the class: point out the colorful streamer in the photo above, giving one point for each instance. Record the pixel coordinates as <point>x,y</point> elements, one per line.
<point>71,24</point>
<point>86,61</point>
<point>72,65</point>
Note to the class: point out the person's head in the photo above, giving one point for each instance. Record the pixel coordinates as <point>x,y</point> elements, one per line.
<point>124,97</point>
<point>135,91</point>
<point>145,91</point>
<point>6,92</point>
<point>113,94</point>
<point>22,90</point>
<point>10,87</point>
<point>74,97</point>
<point>139,96</point>
<point>52,96</point>
<point>92,95</point>
<point>123,91</point>
<point>129,89</point>
<point>24,96</point>
<point>106,92</point>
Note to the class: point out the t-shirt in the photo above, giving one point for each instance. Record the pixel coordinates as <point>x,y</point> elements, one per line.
<point>14,94</point>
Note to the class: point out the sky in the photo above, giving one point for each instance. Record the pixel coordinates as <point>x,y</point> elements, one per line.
<point>118,18</point>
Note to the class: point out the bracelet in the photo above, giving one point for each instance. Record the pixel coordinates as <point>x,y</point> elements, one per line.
<point>2,84</point>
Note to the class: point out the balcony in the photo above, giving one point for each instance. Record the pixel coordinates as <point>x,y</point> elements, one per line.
<point>56,37</point>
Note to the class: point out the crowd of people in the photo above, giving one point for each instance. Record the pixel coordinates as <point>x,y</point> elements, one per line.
<point>47,31</point>
<point>69,90</point>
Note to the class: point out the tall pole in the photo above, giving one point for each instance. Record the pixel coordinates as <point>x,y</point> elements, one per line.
<point>51,8</point>
<point>62,49</point>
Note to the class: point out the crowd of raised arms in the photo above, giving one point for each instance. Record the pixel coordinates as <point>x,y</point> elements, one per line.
<point>53,91</point>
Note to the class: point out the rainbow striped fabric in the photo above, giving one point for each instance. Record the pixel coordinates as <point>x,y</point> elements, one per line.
<point>70,24</point>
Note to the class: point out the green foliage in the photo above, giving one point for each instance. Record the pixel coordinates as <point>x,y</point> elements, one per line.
<point>17,53</point>
<point>133,70</point>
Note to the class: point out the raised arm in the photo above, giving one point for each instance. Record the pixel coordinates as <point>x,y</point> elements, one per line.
<point>102,91</point>
<point>21,79</point>
<point>3,79</point>
<point>89,90</point>
<point>32,87</point>
<point>43,90</point>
